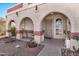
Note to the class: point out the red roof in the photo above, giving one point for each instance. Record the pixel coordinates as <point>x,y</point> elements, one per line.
<point>15,7</point>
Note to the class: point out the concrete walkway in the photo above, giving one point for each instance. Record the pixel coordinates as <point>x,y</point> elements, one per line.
<point>52,47</point>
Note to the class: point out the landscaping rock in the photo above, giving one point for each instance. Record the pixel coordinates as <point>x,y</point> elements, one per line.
<point>17,46</point>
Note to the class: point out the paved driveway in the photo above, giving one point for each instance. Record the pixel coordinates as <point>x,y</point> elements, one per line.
<point>52,47</point>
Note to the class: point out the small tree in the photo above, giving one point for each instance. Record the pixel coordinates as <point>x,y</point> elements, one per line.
<point>13,31</point>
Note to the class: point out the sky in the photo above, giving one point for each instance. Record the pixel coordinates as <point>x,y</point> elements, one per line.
<point>3,8</point>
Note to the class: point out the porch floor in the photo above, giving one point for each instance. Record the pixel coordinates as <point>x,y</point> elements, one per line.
<point>52,47</point>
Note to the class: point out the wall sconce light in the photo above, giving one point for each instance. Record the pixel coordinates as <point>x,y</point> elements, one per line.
<point>17,13</point>
<point>36,8</point>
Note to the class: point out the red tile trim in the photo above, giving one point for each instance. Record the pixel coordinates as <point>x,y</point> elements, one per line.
<point>8,30</point>
<point>38,33</point>
<point>15,7</point>
<point>74,34</point>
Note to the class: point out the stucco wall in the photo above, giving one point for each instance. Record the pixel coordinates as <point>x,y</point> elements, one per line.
<point>68,9</point>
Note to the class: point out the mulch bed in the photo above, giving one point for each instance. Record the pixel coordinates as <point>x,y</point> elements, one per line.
<point>9,49</point>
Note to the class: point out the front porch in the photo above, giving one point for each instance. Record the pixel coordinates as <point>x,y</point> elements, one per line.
<point>52,47</point>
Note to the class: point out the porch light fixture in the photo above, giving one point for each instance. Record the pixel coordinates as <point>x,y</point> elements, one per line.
<point>36,8</point>
<point>17,13</point>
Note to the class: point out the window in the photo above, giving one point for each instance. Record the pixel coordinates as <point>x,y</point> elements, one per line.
<point>58,26</point>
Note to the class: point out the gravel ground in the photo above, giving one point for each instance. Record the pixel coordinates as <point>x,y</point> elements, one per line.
<point>9,49</point>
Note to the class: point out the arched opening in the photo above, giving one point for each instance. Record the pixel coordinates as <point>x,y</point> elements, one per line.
<point>55,25</point>
<point>12,28</point>
<point>26,27</point>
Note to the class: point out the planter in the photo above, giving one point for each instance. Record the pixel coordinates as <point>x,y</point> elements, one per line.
<point>67,43</point>
<point>42,38</point>
<point>74,44</point>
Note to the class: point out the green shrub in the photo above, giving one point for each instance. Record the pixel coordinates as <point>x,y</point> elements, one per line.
<point>13,31</point>
<point>77,38</point>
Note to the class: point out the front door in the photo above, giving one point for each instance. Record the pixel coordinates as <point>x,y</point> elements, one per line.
<point>58,26</point>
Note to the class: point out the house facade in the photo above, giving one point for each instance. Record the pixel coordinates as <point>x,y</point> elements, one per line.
<point>45,20</point>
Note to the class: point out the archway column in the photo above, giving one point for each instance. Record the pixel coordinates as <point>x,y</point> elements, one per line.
<point>73,41</point>
<point>7,31</point>
<point>67,42</point>
<point>38,33</point>
<point>68,32</point>
<point>18,36</point>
